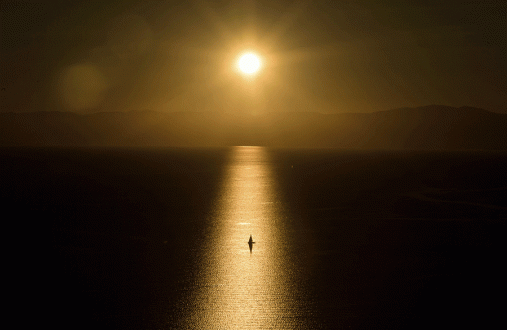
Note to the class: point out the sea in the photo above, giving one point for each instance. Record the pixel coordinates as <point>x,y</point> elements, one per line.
<point>157,238</point>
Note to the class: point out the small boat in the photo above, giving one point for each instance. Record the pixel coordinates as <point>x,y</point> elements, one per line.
<point>250,243</point>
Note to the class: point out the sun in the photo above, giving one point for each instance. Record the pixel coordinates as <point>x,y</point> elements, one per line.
<point>249,63</point>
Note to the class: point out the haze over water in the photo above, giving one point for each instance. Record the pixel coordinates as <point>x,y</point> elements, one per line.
<point>237,288</point>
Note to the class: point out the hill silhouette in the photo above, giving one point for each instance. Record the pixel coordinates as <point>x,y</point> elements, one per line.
<point>432,127</point>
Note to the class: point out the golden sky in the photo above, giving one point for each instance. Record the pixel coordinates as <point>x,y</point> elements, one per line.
<point>323,56</point>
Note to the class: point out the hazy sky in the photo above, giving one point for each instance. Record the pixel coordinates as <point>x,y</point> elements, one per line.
<point>325,56</point>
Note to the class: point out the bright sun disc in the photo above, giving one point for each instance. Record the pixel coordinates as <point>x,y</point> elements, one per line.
<point>249,63</point>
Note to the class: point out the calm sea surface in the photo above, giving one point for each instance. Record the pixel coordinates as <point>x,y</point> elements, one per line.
<point>158,238</point>
<point>239,288</point>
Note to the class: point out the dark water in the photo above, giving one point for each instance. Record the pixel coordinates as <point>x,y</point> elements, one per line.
<point>157,238</point>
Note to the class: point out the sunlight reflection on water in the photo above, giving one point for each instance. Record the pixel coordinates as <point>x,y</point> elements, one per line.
<point>236,288</point>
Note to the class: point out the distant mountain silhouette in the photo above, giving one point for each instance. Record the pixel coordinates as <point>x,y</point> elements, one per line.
<point>432,127</point>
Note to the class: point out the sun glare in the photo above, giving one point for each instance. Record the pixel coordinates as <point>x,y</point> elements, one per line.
<point>249,63</point>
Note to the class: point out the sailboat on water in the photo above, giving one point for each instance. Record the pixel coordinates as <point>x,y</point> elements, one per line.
<point>250,243</point>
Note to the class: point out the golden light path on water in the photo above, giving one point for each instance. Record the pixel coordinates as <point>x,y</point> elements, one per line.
<point>239,289</point>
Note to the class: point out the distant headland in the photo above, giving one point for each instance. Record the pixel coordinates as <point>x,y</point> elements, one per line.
<point>433,127</point>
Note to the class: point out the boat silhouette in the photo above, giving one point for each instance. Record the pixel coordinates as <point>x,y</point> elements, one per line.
<point>250,243</point>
